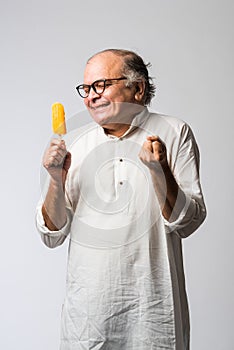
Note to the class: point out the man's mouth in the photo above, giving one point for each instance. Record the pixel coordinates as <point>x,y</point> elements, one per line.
<point>96,107</point>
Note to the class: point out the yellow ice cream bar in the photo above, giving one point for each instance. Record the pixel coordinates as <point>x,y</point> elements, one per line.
<point>58,119</point>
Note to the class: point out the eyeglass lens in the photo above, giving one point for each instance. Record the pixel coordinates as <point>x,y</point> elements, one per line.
<point>98,87</point>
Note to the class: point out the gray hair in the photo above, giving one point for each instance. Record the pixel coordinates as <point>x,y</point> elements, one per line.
<point>135,70</point>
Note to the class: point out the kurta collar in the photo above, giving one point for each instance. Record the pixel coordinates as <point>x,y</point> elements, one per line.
<point>136,122</point>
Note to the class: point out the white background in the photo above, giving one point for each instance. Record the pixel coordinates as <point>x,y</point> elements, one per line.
<point>44,46</point>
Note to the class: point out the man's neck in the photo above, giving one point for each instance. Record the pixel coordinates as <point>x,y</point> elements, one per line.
<point>117,130</point>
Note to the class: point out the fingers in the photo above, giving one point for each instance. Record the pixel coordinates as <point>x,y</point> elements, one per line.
<point>157,144</point>
<point>158,149</point>
<point>55,154</point>
<point>154,138</point>
<point>153,151</point>
<point>147,145</point>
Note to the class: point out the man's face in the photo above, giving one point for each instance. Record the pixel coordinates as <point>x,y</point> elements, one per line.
<point>118,103</point>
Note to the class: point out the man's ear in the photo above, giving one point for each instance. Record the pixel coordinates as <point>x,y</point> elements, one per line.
<point>140,90</point>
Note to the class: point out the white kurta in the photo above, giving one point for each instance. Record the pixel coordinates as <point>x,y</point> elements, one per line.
<point>125,283</point>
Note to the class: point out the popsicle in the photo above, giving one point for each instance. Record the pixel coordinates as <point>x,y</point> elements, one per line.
<point>58,119</point>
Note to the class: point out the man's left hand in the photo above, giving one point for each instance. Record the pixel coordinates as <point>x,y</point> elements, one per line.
<point>153,153</point>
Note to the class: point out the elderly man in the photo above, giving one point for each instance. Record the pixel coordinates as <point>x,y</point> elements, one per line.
<point>126,193</point>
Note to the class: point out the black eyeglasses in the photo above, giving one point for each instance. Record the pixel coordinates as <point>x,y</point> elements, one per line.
<point>98,86</point>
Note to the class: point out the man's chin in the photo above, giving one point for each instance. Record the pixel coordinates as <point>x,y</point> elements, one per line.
<point>100,114</point>
<point>101,118</point>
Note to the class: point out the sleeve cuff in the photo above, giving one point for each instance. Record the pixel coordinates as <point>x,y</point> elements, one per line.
<point>186,215</point>
<point>43,229</point>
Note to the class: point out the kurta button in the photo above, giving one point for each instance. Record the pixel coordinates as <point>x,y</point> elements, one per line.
<point>121,182</point>
<point>121,160</point>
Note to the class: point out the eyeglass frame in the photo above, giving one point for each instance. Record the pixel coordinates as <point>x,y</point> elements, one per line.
<point>95,82</point>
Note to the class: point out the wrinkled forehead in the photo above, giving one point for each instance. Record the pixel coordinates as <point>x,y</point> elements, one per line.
<point>103,66</point>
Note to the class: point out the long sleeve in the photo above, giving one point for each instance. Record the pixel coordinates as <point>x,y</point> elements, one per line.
<point>186,172</point>
<point>53,239</point>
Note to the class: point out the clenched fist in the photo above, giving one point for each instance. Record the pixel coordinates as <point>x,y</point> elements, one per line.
<point>153,153</point>
<point>57,160</point>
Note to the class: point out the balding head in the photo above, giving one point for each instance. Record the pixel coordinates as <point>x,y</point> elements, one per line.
<point>133,68</point>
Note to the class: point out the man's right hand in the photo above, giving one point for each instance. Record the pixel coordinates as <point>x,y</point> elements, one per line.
<point>57,160</point>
